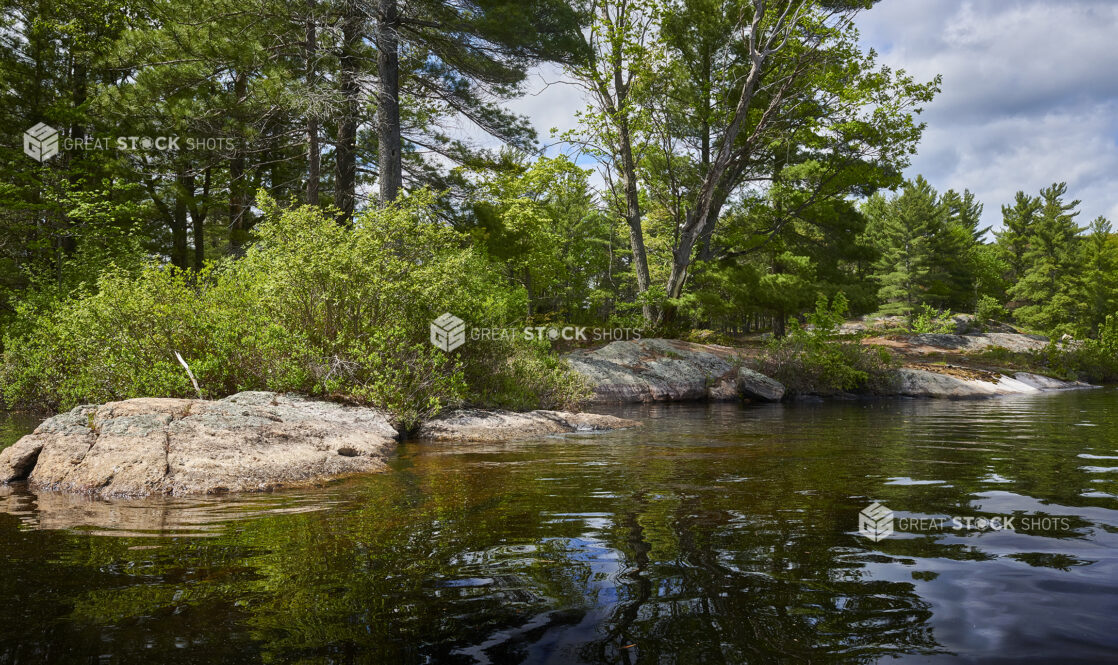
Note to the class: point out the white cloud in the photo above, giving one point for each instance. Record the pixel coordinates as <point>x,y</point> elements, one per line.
<point>1029,94</point>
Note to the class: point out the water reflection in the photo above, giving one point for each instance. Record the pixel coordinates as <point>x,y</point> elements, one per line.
<point>715,534</point>
<point>150,517</point>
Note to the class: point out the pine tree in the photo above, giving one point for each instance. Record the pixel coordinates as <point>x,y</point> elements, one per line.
<point>454,59</point>
<point>955,245</point>
<point>1101,264</point>
<point>1013,239</point>
<point>904,231</point>
<point>1049,295</point>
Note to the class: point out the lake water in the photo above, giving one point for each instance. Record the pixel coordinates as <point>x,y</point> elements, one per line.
<point>715,534</point>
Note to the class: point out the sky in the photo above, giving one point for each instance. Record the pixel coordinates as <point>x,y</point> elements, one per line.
<point>1030,95</point>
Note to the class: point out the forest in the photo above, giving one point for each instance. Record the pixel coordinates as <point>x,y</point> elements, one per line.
<point>286,192</point>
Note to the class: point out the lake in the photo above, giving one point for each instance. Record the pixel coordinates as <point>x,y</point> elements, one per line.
<point>718,533</point>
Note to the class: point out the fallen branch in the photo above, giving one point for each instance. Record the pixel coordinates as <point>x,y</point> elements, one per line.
<point>190,374</point>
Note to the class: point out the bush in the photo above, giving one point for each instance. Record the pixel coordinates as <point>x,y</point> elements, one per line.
<point>930,320</point>
<point>523,375</point>
<point>702,336</point>
<point>819,361</point>
<point>312,307</point>
<point>1094,360</point>
<point>989,309</point>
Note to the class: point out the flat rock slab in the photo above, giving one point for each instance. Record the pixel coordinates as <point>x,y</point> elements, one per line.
<point>251,441</point>
<point>938,342</point>
<point>925,383</point>
<point>493,426</point>
<point>654,370</point>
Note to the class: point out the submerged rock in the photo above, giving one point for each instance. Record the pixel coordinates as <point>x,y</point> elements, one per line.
<point>250,441</point>
<point>652,370</point>
<point>491,426</point>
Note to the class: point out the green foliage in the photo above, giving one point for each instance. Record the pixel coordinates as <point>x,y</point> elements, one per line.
<point>929,248</point>
<point>817,360</point>
<point>989,309</point>
<point>312,307</point>
<point>1095,359</point>
<point>537,221</point>
<point>705,336</point>
<point>324,307</point>
<point>523,375</point>
<point>1049,293</point>
<point>1100,264</point>
<point>930,320</point>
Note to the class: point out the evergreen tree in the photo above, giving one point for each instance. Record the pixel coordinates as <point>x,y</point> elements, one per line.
<point>956,243</point>
<point>457,60</point>
<point>1017,228</point>
<point>1101,265</point>
<point>1049,294</point>
<point>905,230</point>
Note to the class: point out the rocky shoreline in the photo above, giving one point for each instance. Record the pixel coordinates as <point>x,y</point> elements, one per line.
<point>667,370</point>
<point>660,370</point>
<point>259,441</point>
<point>248,442</point>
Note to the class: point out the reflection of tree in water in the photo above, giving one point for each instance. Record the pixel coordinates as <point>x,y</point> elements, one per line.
<point>733,546</point>
<point>705,607</point>
<point>451,562</point>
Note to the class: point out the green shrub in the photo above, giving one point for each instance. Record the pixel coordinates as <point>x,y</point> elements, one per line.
<point>1094,360</point>
<point>930,320</point>
<point>523,375</point>
<point>702,336</point>
<point>312,307</point>
<point>989,309</point>
<point>820,361</point>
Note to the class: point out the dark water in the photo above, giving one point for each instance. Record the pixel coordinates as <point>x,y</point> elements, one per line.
<point>717,534</point>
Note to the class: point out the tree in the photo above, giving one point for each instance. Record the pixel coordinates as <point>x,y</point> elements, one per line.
<point>1017,228</point>
<point>904,231</point>
<point>619,47</point>
<point>538,221</point>
<point>793,55</point>
<point>955,269</point>
<point>757,93</point>
<point>1101,272</point>
<point>1049,293</point>
<point>461,59</point>
<point>52,61</point>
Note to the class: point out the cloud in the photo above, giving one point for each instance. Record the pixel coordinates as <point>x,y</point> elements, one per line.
<point>1029,94</point>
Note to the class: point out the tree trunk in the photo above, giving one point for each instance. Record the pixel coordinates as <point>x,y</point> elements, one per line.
<point>703,214</point>
<point>77,131</point>
<point>178,220</point>
<point>345,153</point>
<point>633,216</point>
<point>388,98</point>
<point>705,251</point>
<point>198,218</point>
<point>314,153</point>
<point>238,198</point>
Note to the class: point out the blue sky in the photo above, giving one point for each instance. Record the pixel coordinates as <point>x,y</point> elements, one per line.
<point>1030,95</point>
